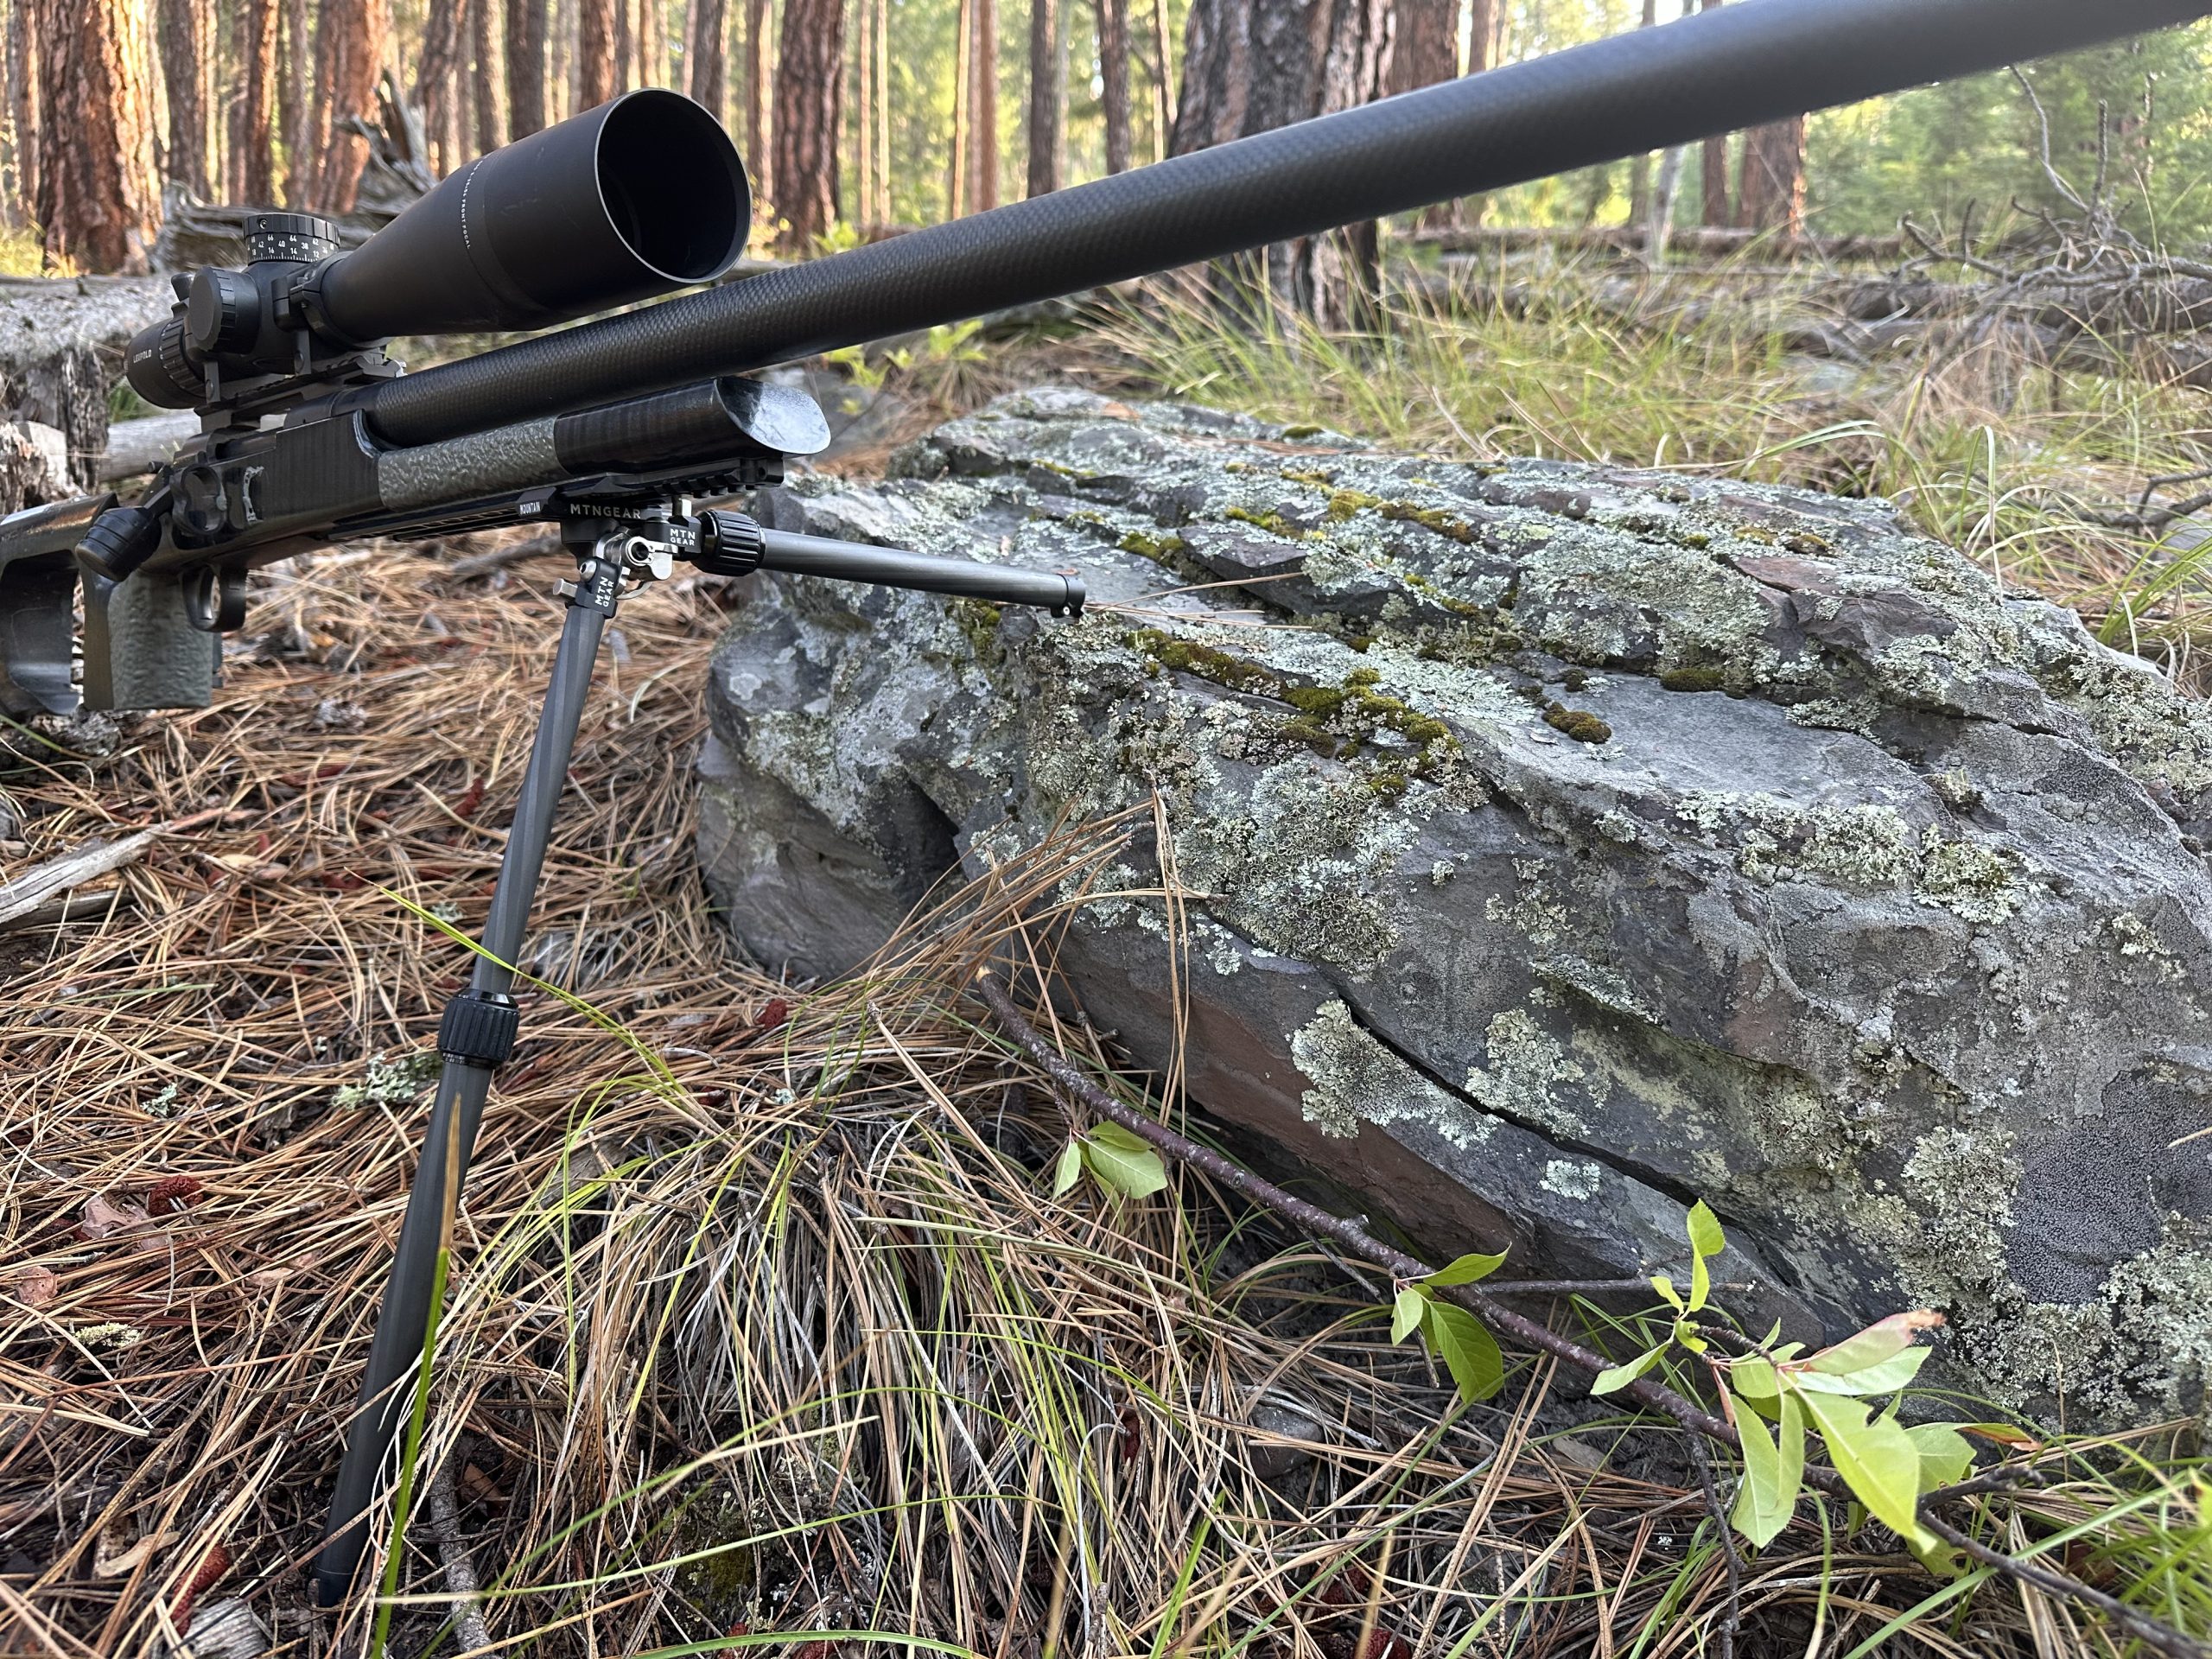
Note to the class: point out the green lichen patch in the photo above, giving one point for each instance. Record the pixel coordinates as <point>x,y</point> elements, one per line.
<point>1356,1079</point>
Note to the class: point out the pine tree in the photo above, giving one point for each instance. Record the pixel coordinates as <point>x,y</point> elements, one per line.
<point>983,71</point>
<point>810,89</point>
<point>485,76</point>
<point>97,201</point>
<point>350,46</point>
<point>1716,165</point>
<point>525,54</point>
<point>1048,98</point>
<point>594,53</point>
<point>253,173</point>
<point>1114,76</point>
<point>188,28</point>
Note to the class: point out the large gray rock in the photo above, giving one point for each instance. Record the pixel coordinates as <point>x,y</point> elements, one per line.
<point>1877,917</point>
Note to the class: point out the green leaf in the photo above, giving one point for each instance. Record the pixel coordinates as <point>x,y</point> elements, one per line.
<point>1772,1474</point>
<point>1706,1239</point>
<point>1071,1169</point>
<point>1686,1333</point>
<point>1754,1380</point>
<point>1469,1351</point>
<point>1665,1287</point>
<point>1883,1340</point>
<point>1407,1312</point>
<point>1465,1271</point>
<point>1944,1454</point>
<point>1123,1162</point>
<point>2004,1434</point>
<point>1887,1377</point>
<point>1878,1461</point>
<point>1619,1376</point>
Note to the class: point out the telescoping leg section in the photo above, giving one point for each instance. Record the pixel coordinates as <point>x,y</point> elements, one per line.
<point>632,541</point>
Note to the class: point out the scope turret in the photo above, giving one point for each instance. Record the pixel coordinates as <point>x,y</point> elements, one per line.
<point>641,196</point>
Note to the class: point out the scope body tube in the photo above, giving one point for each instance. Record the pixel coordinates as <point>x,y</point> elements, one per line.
<point>1737,67</point>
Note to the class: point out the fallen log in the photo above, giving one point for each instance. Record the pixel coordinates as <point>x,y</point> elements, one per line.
<point>1704,241</point>
<point>60,348</point>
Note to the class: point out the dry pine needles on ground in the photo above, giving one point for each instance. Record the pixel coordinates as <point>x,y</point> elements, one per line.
<point>765,1326</point>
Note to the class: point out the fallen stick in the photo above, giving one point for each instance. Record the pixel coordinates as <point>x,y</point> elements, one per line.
<point>483,564</point>
<point>57,876</point>
<point>469,1625</point>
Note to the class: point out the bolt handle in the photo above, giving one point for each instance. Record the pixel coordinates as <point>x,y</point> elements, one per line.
<point>119,541</point>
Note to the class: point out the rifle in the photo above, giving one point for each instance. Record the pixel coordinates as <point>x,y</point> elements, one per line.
<point>626,432</point>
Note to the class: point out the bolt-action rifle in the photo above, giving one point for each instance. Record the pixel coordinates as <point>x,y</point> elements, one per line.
<point>634,434</point>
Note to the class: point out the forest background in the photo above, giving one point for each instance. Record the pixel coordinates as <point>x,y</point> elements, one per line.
<point>858,117</point>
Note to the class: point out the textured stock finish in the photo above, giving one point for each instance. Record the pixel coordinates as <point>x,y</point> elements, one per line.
<point>1879,916</point>
<point>1736,66</point>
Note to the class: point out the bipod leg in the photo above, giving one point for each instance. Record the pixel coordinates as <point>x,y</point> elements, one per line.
<point>476,1033</point>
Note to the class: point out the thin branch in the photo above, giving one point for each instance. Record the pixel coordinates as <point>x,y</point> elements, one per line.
<point>460,1567</point>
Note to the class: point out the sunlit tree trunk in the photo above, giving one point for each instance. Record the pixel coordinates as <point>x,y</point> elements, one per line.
<point>883,107</point>
<point>594,53</point>
<point>1249,65</point>
<point>487,75</point>
<point>1048,98</point>
<point>1639,178</point>
<point>1716,166</point>
<point>23,106</point>
<point>524,30</point>
<point>964,86</point>
<point>863,109</point>
<point>1163,82</point>
<point>296,116</point>
<point>1773,194</point>
<point>253,181</point>
<point>984,127</point>
<point>435,82</point>
<point>809,88</point>
<point>1114,77</point>
<point>97,200</point>
<point>652,43</point>
<point>355,36</point>
<point>187,30</point>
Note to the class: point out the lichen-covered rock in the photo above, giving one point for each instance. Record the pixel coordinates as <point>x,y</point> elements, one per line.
<point>1561,843</point>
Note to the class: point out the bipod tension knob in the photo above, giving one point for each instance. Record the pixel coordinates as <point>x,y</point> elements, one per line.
<point>730,544</point>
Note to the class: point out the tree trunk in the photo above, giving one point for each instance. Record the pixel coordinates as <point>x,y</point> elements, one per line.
<point>594,53</point>
<point>863,109</point>
<point>963,87</point>
<point>983,127</point>
<point>435,83</point>
<point>1639,176</point>
<point>808,91</point>
<point>1114,77</point>
<point>759,89</point>
<point>296,113</point>
<point>1716,166</point>
<point>253,182</point>
<point>1426,50</point>
<point>1481,26</point>
<point>24,105</point>
<point>355,36</point>
<point>97,201</point>
<point>486,75</point>
<point>188,27</point>
<point>525,54</point>
<point>1773,197</point>
<point>1048,99</point>
<point>883,105</point>
<point>652,42</point>
<point>1163,83</point>
<point>1249,67</point>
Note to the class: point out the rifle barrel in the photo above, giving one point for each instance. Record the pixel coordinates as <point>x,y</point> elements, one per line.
<point>1737,67</point>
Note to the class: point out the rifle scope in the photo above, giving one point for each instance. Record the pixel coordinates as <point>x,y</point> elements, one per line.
<point>641,196</point>
<point>1739,66</point>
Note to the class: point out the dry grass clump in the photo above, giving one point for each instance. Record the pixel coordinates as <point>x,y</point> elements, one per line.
<point>764,1328</point>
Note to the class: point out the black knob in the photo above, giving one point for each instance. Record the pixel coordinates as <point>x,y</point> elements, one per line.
<point>730,543</point>
<point>302,236</point>
<point>222,314</point>
<point>119,541</point>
